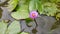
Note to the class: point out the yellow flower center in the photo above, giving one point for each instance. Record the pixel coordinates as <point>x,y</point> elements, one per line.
<point>33,14</point>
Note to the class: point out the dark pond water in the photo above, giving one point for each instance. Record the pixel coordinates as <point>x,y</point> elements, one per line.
<point>44,22</point>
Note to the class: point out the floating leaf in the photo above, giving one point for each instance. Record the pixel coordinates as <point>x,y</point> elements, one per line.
<point>49,9</point>
<point>32,5</point>
<point>3,27</point>
<point>40,7</point>
<point>22,12</point>
<point>13,28</point>
<point>28,20</point>
<point>24,33</point>
<point>58,16</point>
<point>12,4</point>
<point>55,1</point>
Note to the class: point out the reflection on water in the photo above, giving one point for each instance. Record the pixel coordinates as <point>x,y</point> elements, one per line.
<point>34,31</point>
<point>1,12</point>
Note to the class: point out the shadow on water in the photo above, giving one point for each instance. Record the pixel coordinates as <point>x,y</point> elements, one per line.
<point>3,2</point>
<point>1,12</point>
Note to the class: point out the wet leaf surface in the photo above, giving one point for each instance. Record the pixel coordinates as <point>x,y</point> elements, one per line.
<point>58,16</point>
<point>24,33</point>
<point>49,9</point>
<point>13,28</point>
<point>32,5</point>
<point>22,11</point>
<point>28,20</point>
<point>3,27</point>
<point>12,4</point>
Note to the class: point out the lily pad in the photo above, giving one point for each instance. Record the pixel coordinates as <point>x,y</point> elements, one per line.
<point>28,20</point>
<point>49,9</point>
<point>22,12</point>
<point>32,5</point>
<point>58,16</point>
<point>55,1</point>
<point>40,7</point>
<point>13,28</point>
<point>24,33</point>
<point>3,27</point>
<point>12,4</point>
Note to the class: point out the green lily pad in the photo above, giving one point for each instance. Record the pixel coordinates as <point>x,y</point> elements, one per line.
<point>12,5</point>
<point>58,1</point>
<point>40,7</point>
<point>58,16</point>
<point>22,12</point>
<point>24,33</point>
<point>33,5</point>
<point>36,5</point>
<point>28,20</point>
<point>49,9</point>
<point>3,27</point>
<point>55,1</point>
<point>13,28</point>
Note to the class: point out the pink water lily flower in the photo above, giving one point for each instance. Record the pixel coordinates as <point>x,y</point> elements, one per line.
<point>33,14</point>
